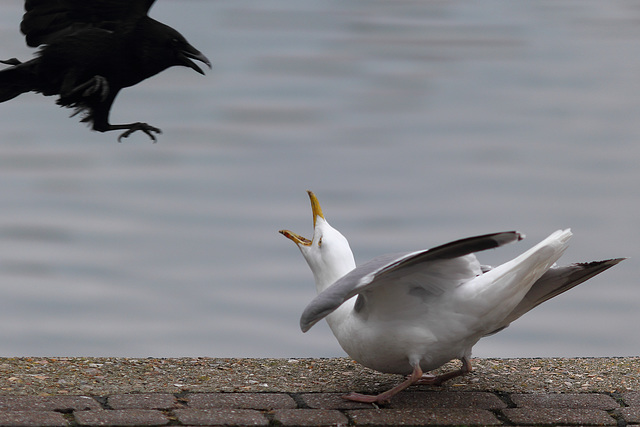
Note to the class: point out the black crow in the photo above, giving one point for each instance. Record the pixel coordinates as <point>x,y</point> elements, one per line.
<point>91,49</point>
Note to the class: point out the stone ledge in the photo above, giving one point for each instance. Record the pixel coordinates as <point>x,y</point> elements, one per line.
<point>106,376</point>
<point>201,391</point>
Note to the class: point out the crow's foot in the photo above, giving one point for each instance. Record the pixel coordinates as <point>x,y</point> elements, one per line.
<point>131,128</point>
<point>95,85</point>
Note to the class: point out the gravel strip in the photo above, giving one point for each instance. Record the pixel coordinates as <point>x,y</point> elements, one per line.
<point>109,376</point>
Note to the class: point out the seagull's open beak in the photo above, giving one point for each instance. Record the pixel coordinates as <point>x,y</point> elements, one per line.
<point>316,211</point>
<point>295,238</point>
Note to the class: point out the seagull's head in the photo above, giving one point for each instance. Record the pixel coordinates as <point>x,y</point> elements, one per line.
<point>327,253</point>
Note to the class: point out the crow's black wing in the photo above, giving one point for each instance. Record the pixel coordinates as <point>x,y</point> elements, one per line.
<point>45,20</point>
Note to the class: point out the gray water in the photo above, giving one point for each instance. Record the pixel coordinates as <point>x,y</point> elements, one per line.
<point>415,122</point>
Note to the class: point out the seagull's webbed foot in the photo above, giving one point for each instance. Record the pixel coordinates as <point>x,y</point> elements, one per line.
<point>385,397</point>
<point>439,379</point>
<point>416,377</point>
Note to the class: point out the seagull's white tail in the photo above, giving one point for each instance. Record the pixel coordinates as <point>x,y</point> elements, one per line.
<point>543,255</point>
<point>496,293</point>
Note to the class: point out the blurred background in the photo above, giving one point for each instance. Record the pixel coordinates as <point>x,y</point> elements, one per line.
<point>415,122</point>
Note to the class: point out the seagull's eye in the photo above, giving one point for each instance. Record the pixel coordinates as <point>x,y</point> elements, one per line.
<point>320,242</point>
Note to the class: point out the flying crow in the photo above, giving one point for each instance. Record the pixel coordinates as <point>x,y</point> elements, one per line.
<point>91,49</point>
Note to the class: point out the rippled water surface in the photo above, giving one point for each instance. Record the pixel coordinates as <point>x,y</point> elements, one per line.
<point>415,123</point>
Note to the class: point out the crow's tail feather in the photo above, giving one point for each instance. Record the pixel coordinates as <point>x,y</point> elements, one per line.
<point>17,79</point>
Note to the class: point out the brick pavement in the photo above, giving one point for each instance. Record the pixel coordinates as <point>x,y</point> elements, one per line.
<point>317,409</point>
<point>306,392</point>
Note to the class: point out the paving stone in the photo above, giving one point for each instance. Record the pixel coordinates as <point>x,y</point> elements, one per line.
<point>631,415</point>
<point>309,417</point>
<point>206,417</point>
<point>331,401</point>
<point>631,398</point>
<point>142,401</point>
<point>557,400</point>
<point>422,417</point>
<point>262,401</point>
<point>446,399</point>
<point>32,419</point>
<point>48,403</point>
<point>121,417</point>
<point>530,416</point>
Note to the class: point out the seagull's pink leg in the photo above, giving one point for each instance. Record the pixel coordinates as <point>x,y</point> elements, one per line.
<point>438,380</point>
<point>415,376</point>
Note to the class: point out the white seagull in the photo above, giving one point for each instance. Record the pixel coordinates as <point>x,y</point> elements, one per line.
<point>410,313</point>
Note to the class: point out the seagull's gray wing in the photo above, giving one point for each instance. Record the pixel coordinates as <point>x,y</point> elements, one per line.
<point>388,269</point>
<point>554,282</point>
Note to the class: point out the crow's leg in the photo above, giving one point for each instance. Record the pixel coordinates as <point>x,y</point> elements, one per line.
<point>100,118</point>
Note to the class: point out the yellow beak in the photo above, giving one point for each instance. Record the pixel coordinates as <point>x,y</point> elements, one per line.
<point>316,210</point>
